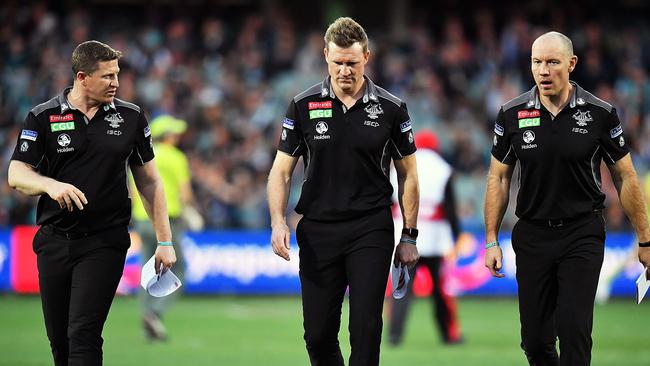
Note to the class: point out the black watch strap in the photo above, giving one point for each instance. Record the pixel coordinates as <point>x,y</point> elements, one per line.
<point>644,245</point>
<point>410,231</point>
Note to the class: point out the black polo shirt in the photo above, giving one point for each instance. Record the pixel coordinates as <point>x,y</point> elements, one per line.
<point>346,152</point>
<point>560,157</point>
<point>61,143</point>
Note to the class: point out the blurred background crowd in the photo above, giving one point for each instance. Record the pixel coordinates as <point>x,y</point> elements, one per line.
<point>229,68</point>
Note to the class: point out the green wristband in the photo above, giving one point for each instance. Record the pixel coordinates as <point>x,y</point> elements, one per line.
<point>165,244</point>
<point>408,241</point>
<point>492,244</point>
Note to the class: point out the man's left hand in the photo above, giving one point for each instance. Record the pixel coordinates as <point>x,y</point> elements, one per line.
<point>165,255</point>
<point>407,254</point>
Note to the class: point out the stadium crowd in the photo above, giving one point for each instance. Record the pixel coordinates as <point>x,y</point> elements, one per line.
<point>229,75</point>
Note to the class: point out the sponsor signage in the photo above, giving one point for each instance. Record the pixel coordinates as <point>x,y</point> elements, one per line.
<point>5,255</point>
<point>242,262</point>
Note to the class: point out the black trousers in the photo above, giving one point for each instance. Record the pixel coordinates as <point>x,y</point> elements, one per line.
<point>78,279</point>
<point>444,311</point>
<point>557,276</point>
<point>334,255</point>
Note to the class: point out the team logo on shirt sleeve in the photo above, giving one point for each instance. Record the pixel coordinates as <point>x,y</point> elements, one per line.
<point>29,135</point>
<point>287,123</point>
<point>616,131</point>
<point>498,129</point>
<point>147,132</point>
<point>405,126</point>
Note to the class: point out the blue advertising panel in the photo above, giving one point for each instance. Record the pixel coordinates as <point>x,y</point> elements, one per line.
<point>5,236</point>
<point>242,262</point>
<point>469,276</point>
<point>239,262</point>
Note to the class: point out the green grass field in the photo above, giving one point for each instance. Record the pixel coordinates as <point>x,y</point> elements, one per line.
<point>268,331</point>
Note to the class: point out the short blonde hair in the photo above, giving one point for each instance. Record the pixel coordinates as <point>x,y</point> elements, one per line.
<point>345,32</point>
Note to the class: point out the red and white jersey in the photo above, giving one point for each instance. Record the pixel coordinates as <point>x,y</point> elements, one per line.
<point>435,235</point>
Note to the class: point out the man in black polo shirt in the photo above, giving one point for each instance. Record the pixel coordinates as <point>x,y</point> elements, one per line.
<point>559,133</point>
<point>347,129</point>
<point>72,152</point>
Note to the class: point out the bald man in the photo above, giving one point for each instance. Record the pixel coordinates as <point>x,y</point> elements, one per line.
<point>559,133</point>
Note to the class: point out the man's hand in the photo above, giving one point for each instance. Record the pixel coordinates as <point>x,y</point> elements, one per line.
<point>407,254</point>
<point>493,257</point>
<point>644,258</point>
<point>280,235</point>
<point>165,255</point>
<point>66,195</point>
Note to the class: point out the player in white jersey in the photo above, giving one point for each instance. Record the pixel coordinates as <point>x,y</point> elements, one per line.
<point>438,227</point>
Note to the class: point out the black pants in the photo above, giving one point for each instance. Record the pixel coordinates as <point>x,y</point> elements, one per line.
<point>444,310</point>
<point>334,255</point>
<point>557,276</point>
<point>78,279</point>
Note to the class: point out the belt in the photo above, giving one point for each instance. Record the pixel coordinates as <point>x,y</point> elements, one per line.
<point>555,223</point>
<point>70,235</point>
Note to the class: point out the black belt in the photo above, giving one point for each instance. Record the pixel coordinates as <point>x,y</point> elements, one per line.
<point>554,223</point>
<point>70,235</point>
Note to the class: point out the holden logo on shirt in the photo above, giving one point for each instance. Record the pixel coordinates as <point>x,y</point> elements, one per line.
<point>374,110</point>
<point>582,118</point>
<point>411,137</point>
<point>114,120</point>
<point>24,146</point>
<point>321,128</point>
<point>63,140</point>
<point>621,141</point>
<point>284,134</point>
<point>529,136</point>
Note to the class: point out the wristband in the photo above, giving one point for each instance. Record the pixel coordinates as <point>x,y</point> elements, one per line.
<point>165,244</point>
<point>408,241</point>
<point>492,244</point>
<point>644,245</point>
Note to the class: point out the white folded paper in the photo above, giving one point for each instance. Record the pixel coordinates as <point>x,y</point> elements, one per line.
<point>400,280</point>
<point>642,285</point>
<point>158,285</point>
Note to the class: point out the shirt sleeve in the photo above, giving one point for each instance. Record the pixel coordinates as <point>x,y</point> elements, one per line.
<point>501,145</point>
<point>612,140</point>
<point>291,138</point>
<point>402,134</point>
<point>143,147</point>
<point>30,147</point>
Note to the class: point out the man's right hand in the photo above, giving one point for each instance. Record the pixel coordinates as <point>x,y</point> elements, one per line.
<point>493,257</point>
<point>280,235</point>
<point>66,195</point>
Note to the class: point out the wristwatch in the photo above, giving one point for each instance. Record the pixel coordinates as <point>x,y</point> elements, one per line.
<point>410,231</point>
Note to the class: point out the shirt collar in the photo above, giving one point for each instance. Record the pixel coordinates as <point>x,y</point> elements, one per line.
<point>369,93</point>
<point>577,97</point>
<point>65,105</point>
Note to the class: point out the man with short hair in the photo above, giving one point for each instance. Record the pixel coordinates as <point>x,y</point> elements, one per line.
<point>72,152</point>
<point>346,129</point>
<point>559,133</point>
